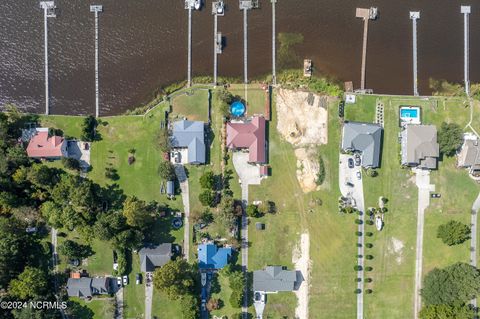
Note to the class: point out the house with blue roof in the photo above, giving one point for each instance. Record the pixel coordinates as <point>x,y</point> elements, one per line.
<point>212,257</point>
<point>189,136</point>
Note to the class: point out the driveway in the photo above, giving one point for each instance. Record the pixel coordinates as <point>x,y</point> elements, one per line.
<point>148,294</point>
<point>81,152</point>
<point>119,298</point>
<point>473,250</point>
<point>422,179</point>
<point>355,192</point>
<point>183,181</point>
<point>249,175</point>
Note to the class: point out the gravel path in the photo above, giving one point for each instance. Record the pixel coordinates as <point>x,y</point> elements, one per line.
<point>301,259</point>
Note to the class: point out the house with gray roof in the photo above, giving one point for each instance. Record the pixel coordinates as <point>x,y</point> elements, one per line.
<point>419,146</point>
<point>85,287</point>
<point>274,279</point>
<point>154,256</point>
<point>469,155</point>
<point>365,138</point>
<point>189,136</point>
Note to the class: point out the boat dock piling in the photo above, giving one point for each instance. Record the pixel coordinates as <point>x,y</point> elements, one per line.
<point>48,12</point>
<point>414,16</point>
<point>96,9</point>
<point>274,68</point>
<point>466,10</point>
<point>365,14</point>
<point>218,9</point>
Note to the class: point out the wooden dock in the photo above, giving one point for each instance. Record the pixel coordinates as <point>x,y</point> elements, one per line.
<point>466,10</point>
<point>274,54</point>
<point>415,15</point>
<point>366,15</point>
<point>48,12</point>
<point>96,9</point>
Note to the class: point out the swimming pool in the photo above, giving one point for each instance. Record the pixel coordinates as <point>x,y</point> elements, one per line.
<point>410,114</point>
<point>237,109</point>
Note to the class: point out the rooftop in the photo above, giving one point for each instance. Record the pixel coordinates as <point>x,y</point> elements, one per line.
<point>190,134</point>
<point>365,138</point>
<point>248,134</point>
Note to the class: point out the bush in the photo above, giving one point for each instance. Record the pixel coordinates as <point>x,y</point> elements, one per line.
<point>207,180</point>
<point>369,257</point>
<point>368,268</point>
<point>75,250</point>
<point>357,268</point>
<point>252,211</point>
<point>207,198</point>
<point>166,171</point>
<point>453,232</point>
<point>71,163</point>
<point>368,245</point>
<point>321,171</point>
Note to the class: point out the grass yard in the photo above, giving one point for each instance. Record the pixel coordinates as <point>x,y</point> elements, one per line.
<point>70,125</point>
<point>164,308</point>
<point>133,294</point>
<point>255,97</point>
<point>101,307</point>
<point>192,106</point>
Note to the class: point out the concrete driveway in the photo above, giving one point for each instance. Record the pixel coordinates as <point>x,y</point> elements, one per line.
<point>422,179</point>
<point>148,294</point>
<point>248,174</point>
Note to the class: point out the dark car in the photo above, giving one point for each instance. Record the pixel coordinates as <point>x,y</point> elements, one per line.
<point>435,195</point>
<point>350,163</point>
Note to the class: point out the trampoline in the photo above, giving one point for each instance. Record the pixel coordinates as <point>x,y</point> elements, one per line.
<point>237,109</point>
<point>177,223</point>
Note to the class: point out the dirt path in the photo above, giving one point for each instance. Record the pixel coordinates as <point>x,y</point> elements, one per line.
<point>301,259</point>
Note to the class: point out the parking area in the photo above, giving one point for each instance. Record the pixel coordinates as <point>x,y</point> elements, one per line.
<point>80,151</point>
<point>206,281</point>
<point>350,177</point>
<point>249,174</point>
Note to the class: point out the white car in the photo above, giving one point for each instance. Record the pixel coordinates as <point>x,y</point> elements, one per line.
<point>359,175</point>
<point>125,280</point>
<point>119,281</point>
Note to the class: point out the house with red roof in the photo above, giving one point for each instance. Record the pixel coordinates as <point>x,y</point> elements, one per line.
<point>43,146</point>
<point>248,134</point>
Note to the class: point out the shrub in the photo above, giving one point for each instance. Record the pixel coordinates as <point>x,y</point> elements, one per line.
<point>88,129</point>
<point>207,180</point>
<point>207,198</point>
<point>321,171</point>
<point>450,138</point>
<point>252,211</point>
<point>71,163</point>
<point>166,170</point>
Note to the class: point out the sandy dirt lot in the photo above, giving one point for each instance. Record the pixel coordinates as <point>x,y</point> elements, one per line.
<point>301,259</point>
<point>302,121</point>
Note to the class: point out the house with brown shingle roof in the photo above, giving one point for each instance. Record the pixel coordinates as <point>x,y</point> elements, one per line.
<point>248,134</point>
<point>42,145</point>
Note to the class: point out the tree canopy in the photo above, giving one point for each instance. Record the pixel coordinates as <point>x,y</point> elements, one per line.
<point>453,232</point>
<point>166,170</point>
<point>207,180</point>
<point>450,138</point>
<point>455,284</point>
<point>74,250</point>
<point>31,283</point>
<point>446,312</point>
<point>137,213</point>
<point>176,278</point>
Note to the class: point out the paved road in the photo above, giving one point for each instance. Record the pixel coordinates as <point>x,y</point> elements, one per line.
<point>424,188</point>
<point>183,180</point>
<point>119,297</point>
<point>148,297</point>
<point>244,235</point>
<point>473,250</point>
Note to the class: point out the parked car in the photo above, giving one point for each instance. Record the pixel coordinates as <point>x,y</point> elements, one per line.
<point>138,279</point>
<point>350,163</point>
<point>359,175</point>
<point>358,160</point>
<point>119,281</point>
<point>125,280</point>
<point>349,184</point>
<point>435,195</point>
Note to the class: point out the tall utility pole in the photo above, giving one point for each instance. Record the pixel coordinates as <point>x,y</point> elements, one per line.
<point>48,12</point>
<point>466,10</point>
<point>274,57</point>
<point>414,16</point>
<point>96,9</point>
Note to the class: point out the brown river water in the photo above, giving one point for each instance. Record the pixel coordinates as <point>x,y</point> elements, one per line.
<point>143,45</point>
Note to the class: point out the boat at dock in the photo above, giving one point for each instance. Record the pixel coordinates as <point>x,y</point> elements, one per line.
<point>197,4</point>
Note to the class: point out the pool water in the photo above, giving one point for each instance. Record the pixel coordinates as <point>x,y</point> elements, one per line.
<point>412,113</point>
<point>237,108</point>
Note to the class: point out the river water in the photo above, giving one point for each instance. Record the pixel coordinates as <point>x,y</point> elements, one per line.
<point>143,45</point>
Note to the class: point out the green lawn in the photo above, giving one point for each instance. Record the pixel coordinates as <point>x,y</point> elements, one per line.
<point>133,294</point>
<point>192,106</point>
<point>70,125</point>
<point>164,308</point>
<point>255,97</point>
<point>101,307</point>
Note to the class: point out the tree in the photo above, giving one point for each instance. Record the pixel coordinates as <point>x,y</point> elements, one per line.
<point>236,282</point>
<point>71,163</point>
<point>189,306</point>
<point>163,140</point>
<point>74,250</point>
<point>455,284</point>
<point>137,213</point>
<point>453,232</point>
<point>88,129</point>
<point>446,312</point>
<point>252,211</point>
<point>166,170</point>
<point>450,138</point>
<point>175,279</point>
<point>31,283</point>
<point>207,198</point>
<point>207,180</point>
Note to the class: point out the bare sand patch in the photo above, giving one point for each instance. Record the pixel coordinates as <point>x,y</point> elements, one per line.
<point>302,121</point>
<point>302,117</point>
<point>301,259</point>
<point>395,247</point>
